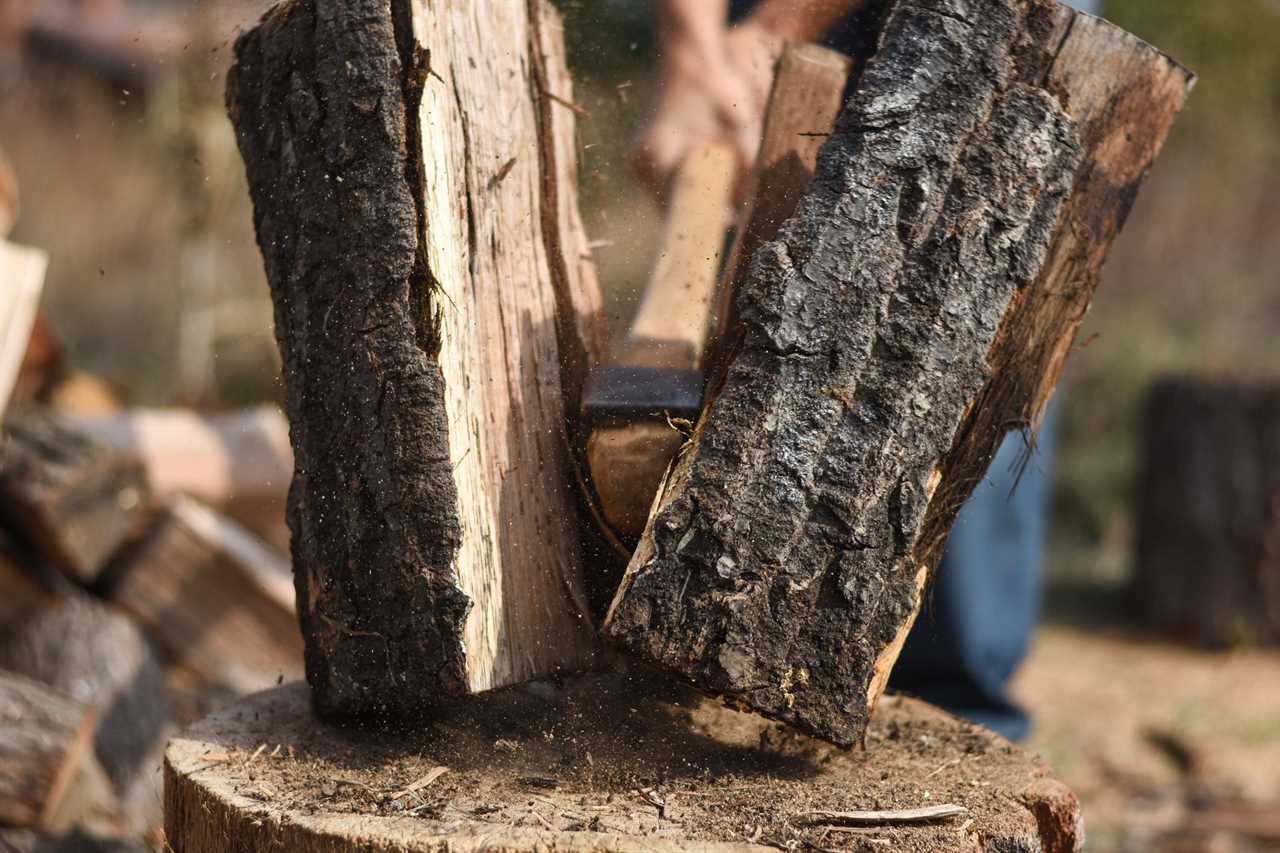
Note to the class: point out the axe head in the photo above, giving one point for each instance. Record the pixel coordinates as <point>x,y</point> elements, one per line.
<point>618,392</point>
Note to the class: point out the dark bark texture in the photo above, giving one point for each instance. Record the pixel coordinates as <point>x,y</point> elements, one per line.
<point>885,343</point>
<point>318,96</point>
<point>1208,561</point>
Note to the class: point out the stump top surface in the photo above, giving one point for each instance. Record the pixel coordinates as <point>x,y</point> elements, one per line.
<point>604,762</point>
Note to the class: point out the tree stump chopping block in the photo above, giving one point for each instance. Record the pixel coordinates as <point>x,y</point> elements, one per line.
<point>411,167</point>
<point>917,306</point>
<point>603,763</point>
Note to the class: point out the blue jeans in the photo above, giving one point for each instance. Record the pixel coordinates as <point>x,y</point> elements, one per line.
<point>980,613</point>
<point>984,604</point>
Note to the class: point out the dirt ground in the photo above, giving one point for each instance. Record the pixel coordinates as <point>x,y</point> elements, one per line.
<point>1168,748</point>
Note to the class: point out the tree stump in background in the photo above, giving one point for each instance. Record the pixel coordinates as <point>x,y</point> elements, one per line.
<point>602,763</point>
<point>413,176</point>
<point>1208,555</point>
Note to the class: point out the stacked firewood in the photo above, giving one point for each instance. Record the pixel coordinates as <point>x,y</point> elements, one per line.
<point>129,598</point>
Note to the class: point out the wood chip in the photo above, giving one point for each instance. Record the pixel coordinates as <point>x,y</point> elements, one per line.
<point>539,782</point>
<point>432,775</point>
<point>926,814</point>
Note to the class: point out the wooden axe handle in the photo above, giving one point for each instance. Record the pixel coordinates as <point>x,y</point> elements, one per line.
<point>670,328</point>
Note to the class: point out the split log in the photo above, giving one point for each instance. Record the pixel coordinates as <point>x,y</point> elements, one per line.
<point>21,282</point>
<point>49,778</point>
<point>1208,558</point>
<point>98,657</point>
<point>238,463</point>
<point>563,776</point>
<point>412,177</point>
<point>918,306</point>
<point>218,600</point>
<point>68,499</point>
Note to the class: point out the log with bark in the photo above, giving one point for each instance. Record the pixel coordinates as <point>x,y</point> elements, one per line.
<point>218,600</point>
<point>917,307</point>
<point>238,463</point>
<point>98,657</point>
<point>413,181</point>
<point>67,499</point>
<point>618,762</point>
<point>50,780</point>
<point>1208,556</point>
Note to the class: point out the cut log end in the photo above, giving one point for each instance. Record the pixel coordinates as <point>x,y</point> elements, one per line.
<point>604,763</point>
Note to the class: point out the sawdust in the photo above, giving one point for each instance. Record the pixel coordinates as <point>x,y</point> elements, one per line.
<point>625,755</point>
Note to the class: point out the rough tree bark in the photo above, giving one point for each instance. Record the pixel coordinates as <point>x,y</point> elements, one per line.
<point>1208,561</point>
<point>917,306</point>
<point>413,182</point>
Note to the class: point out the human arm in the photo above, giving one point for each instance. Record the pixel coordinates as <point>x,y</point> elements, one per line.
<point>713,80</point>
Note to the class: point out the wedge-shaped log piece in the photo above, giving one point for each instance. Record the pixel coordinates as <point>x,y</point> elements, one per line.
<point>413,183</point>
<point>917,306</point>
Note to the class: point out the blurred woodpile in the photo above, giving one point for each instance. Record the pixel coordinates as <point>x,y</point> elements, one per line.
<point>130,600</point>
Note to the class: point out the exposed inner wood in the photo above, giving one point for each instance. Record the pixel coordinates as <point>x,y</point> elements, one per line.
<point>413,178</point>
<point>916,308</point>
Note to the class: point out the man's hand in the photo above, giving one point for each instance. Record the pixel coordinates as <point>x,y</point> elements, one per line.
<point>713,85</point>
<point>714,80</point>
